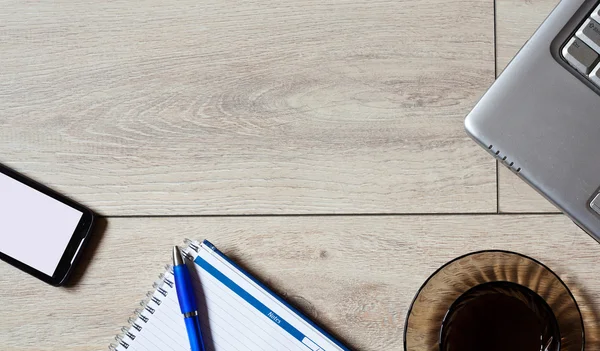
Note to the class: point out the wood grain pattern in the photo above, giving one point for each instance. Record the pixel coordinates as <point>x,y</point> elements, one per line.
<point>237,107</point>
<point>516,21</point>
<point>356,275</point>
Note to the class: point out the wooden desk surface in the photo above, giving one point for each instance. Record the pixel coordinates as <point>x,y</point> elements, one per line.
<point>328,134</point>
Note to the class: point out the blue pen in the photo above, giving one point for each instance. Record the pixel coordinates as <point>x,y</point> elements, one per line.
<point>187,301</point>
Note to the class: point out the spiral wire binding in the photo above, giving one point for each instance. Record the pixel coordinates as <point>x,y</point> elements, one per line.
<point>151,302</point>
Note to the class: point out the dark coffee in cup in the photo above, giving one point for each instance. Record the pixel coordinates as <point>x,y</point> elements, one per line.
<point>500,316</point>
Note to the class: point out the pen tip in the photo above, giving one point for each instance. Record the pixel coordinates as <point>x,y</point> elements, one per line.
<point>177,259</point>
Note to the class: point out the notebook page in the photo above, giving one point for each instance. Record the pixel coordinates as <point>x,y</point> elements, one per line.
<point>236,314</point>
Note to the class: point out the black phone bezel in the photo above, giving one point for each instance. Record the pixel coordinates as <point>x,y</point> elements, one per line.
<point>78,240</point>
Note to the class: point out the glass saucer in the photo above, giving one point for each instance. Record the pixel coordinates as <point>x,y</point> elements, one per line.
<point>444,286</point>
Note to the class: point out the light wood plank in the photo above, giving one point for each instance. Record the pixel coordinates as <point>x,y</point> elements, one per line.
<point>517,196</point>
<point>355,275</point>
<point>236,107</point>
<point>516,21</point>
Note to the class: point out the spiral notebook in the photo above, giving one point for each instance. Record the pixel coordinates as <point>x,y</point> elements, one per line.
<point>237,312</point>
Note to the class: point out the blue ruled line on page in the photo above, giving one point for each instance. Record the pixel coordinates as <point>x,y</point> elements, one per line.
<point>259,306</point>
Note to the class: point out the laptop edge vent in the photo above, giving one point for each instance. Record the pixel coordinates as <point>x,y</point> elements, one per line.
<point>504,159</point>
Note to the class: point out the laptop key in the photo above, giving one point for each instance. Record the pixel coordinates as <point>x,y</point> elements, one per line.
<point>579,55</point>
<point>589,33</point>
<point>595,204</point>
<point>596,14</point>
<point>595,75</point>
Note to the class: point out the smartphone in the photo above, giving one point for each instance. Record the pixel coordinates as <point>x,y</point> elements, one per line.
<point>41,232</point>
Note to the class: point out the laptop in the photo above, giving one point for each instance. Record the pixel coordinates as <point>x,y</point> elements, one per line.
<point>541,117</point>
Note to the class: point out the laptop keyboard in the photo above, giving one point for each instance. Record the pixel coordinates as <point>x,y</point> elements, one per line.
<point>582,51</point>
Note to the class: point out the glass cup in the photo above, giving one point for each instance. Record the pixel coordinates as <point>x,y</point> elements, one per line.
<point>450,294</point>
<point>500,316</point>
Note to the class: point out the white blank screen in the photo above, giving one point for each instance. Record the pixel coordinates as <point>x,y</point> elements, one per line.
<point>34,228</point>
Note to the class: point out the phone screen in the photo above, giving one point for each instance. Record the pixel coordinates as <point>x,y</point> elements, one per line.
<point>35,229</point>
